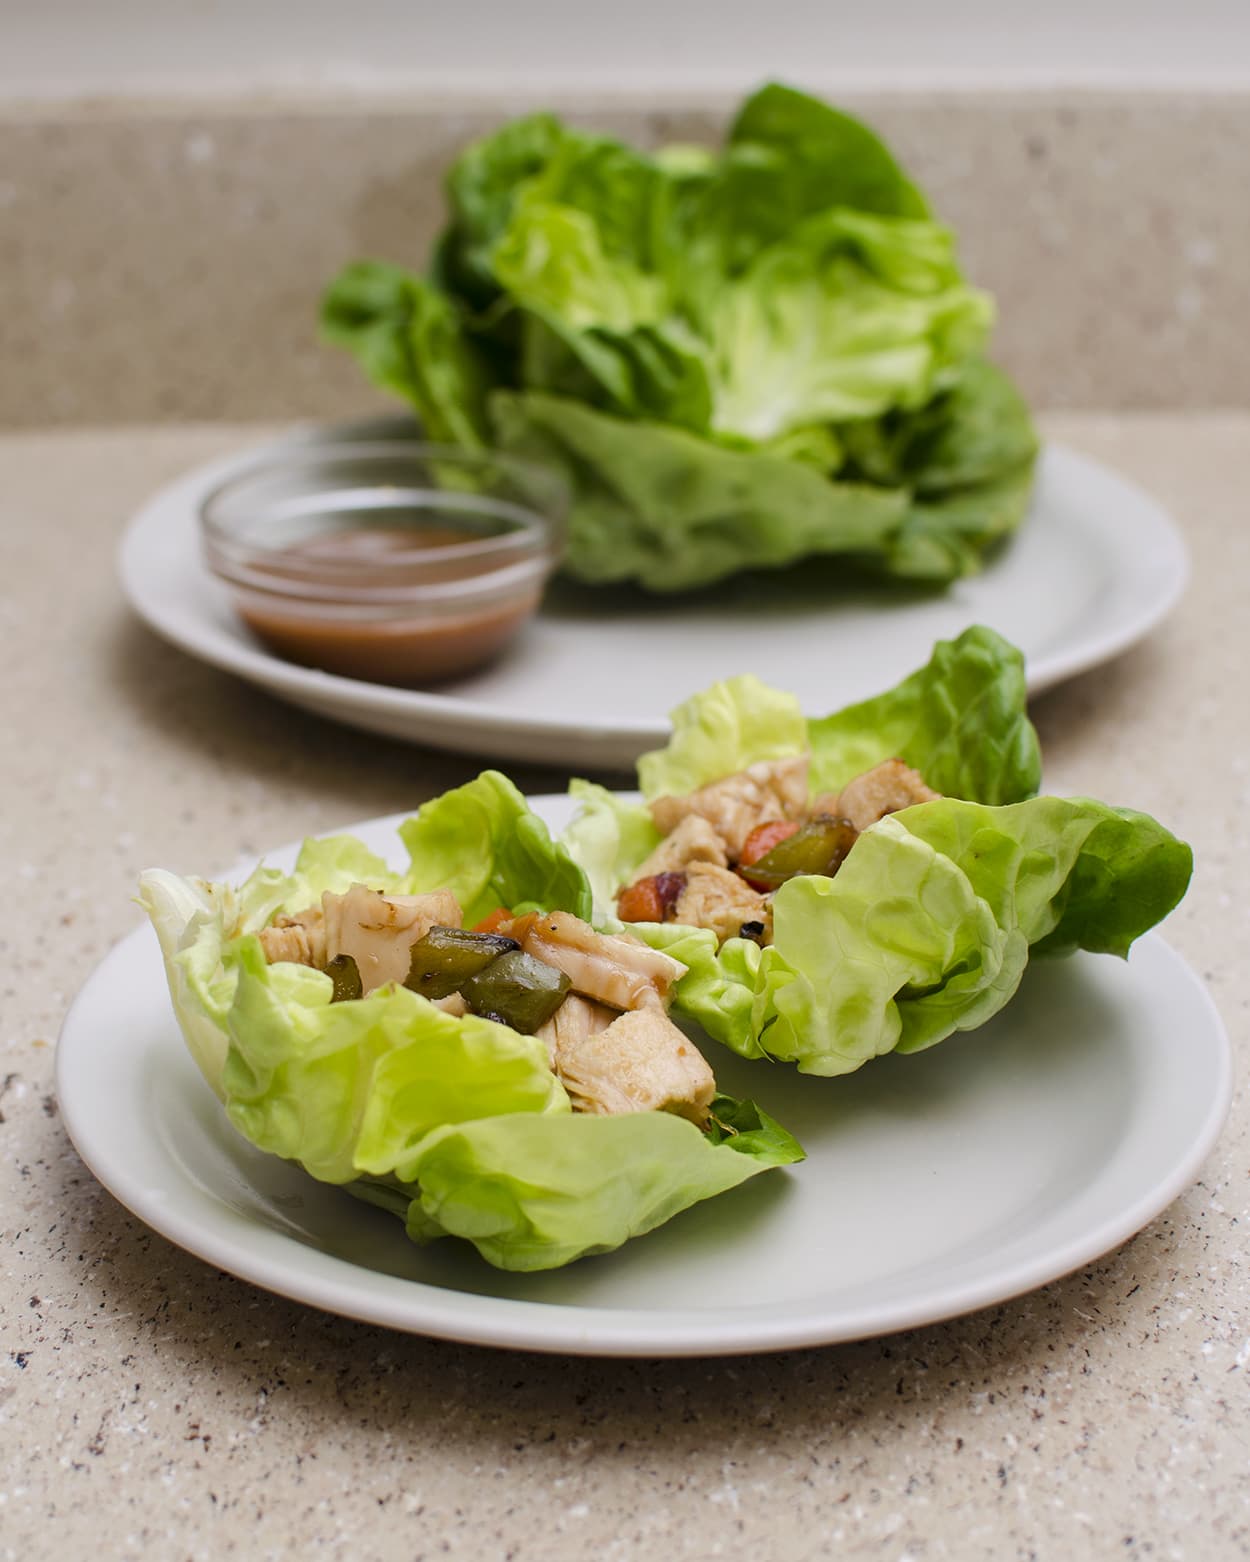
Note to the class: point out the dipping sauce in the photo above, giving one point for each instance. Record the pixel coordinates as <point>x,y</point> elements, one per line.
<point>364,561</point>
<point>390,649</point>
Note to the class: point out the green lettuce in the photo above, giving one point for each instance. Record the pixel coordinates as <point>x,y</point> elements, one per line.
<point>609,838</point>
<point>719,987</point>
<point>729,726</point>
<point>456,1124</point>
<point>735,360</point>
<point>532,1193</point>
<point>410,338</point>
<point>483,842</point>
<point>352,1088</point>
<point>961,720</point>
<point>799,156</point>
<point>928,925</point>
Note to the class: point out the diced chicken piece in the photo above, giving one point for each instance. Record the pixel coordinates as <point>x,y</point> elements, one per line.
<point>787,779</point>
<point>694,840</point>
<point>771,789</point>
<point>615,970</point>
<point>828,803</point>
<point>452,1004</point>
<point>640,1063</point>
<point>378,931</point>
<point>300,939</point>
<point>884,789</point>
<point>720,900</point>
<point>573,1021</point>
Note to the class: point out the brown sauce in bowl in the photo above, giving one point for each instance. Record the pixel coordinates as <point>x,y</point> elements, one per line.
<point>320,613</point>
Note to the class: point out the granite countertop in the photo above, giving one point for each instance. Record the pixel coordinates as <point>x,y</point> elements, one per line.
<point>152,1407</point>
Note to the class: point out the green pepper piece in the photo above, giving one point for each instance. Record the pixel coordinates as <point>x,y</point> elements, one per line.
<point>819,846</point>
<point>345,974</point>
<point>517,989</point>
<point>447,957</point>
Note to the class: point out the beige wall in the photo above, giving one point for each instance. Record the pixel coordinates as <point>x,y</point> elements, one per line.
<point>66,47</point>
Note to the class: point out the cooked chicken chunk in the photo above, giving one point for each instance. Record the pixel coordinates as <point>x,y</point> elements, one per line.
<point>573,1021</point>
<point>720,900</point>
<point>615,970</point>
<point>452,1004</point>
<point>299,939</point>
<point>884,789</point>
<point>694,840</point>
<point>378,931</point>
<point>640,1063</point>
<point>771,789</point>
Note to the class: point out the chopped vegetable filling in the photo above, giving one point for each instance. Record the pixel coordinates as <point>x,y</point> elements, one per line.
<point>445,959</point>
<point>599,1000</point>
<point>548,975</point>
<point>730,844</point>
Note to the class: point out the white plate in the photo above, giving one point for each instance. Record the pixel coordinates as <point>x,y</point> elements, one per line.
<point>934,1184</point>
<point>1094,567</point>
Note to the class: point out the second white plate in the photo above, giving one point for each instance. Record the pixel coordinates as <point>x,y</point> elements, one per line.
<point>934,1184</point>
<point>1095,566</point>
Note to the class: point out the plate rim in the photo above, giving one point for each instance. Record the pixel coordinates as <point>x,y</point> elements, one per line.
<point>313,688</point>
<point>571,1329</point>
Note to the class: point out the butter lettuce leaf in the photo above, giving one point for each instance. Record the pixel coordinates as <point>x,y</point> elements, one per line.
<point>814,156</point>
<point>411,338</point>
<point>850,317</point>
<point>719,987</point>
<point>482,187</point>
<point>334,863</point>
<point>351,1088</point>
<point>483,842</point>
<point>405,1105</point>
<point>735,723</point>
<point>610,836</point>
<point>735,359</point>
<point>1071,872</point>
<point>961,721</point>
<point>536,1192</point>
<point>674,511</point>
<point>927,927</point>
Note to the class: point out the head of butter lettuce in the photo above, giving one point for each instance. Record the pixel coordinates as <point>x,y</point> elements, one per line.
<point>928,925</point>
<point>457,1125</point>
<point>737,359</point>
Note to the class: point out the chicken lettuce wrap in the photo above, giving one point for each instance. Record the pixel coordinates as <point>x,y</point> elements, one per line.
<point>871,881</point>
<point>453,1040</point>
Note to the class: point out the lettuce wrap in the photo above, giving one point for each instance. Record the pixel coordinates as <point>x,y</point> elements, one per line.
<point>927,926</point>
<point>736,359</point>
<point>456,1124</point>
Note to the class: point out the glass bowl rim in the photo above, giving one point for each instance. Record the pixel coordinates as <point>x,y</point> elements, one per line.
<point>535,529</point>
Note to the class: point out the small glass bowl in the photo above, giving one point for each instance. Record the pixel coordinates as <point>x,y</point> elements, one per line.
<point>390,561</point>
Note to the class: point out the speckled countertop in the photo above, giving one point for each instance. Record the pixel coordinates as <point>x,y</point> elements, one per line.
<point>153,1408</point>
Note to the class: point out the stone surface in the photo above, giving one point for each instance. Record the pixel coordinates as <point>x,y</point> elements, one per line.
<point>152,1407</point>
<point>174,255</point>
